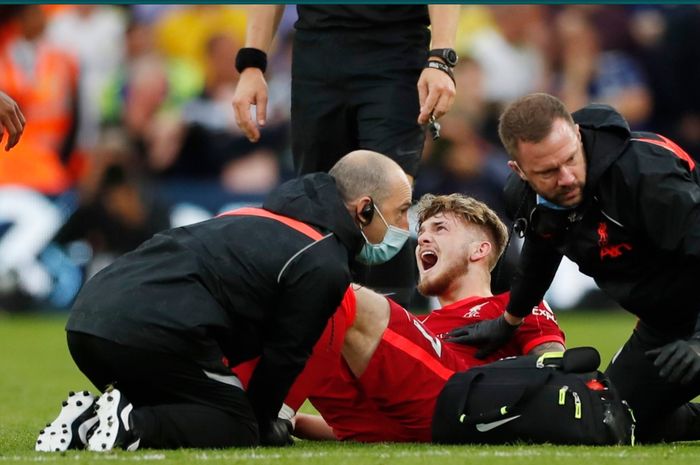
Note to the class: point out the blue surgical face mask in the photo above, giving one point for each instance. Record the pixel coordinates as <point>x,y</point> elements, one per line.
<point>546,203</point>
<point>376,254</point>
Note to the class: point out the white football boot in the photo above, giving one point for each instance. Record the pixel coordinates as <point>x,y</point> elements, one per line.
<point>113,429</point>
<point>70,428</point>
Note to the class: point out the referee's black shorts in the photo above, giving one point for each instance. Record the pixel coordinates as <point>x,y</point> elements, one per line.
<point>357,89</point>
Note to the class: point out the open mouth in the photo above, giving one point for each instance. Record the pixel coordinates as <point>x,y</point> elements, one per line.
<point>428,259</point>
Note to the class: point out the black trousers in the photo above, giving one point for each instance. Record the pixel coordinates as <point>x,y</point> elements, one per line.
<point>356,89</point>
<point>175,403</point>
<point>662,409</point>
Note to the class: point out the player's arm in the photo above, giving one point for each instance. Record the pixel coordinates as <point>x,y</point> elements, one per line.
<point>263,21</point>
<point>436,89</point>
<point>363,337</point>
<point>547,347</point>
<point>312,427</point>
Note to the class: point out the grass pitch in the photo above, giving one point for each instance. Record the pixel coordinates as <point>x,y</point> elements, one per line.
<point>37,372</point>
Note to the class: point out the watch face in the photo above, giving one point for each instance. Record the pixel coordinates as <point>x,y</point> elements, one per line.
<point>451,57</point>
<point>447,54</point>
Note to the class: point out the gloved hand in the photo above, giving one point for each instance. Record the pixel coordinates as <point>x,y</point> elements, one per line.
<point>488,334</point>
<point>277,433</point>
<point>678,361</point>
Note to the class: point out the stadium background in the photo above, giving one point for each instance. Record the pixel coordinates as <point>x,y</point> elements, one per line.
<point>130,126</point>
<point>130,130</point>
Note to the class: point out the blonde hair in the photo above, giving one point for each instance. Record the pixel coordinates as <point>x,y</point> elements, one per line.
<point>471,211</point>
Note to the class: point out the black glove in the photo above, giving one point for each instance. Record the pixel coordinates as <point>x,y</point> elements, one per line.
<point>678,361</point>
<point>488,334</point>
<point>277,433</point>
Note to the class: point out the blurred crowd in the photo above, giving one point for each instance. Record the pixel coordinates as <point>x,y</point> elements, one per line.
<point>130,128</point>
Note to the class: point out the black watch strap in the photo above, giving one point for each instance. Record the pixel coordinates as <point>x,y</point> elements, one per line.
<point>448,55</point>
<point>442,67</point>
<point>248,57</point>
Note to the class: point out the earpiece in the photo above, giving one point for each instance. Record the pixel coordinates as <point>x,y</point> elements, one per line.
<point>367,213</point>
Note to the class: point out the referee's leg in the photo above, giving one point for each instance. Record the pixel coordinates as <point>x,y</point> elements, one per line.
<point>387,124</point>
<point>324,127</point>
<point>177,403</point>
<point>350,92</point>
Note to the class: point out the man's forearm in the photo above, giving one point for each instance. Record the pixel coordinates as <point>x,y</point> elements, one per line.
<point>443,25</point>
<point>263,21</point>
<point>312,427</point>
<point>547,347</point>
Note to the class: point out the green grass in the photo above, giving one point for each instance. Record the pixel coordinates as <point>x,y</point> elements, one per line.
<point>37,372</point>
<point>604,330</point>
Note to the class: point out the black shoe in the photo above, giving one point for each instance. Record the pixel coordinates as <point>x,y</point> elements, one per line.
<point>113,429</point>
<point>70,429</point>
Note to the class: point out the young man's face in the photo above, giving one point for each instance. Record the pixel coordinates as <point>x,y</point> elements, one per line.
<point>444,244</point>
<point>554,167</point>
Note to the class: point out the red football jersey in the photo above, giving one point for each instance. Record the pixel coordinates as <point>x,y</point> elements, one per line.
<point>394,398</point>
<point>537,328</point>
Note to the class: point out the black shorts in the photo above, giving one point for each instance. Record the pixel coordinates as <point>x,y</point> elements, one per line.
<point>357,89</point>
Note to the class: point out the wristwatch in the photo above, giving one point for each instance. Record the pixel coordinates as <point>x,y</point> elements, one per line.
<point>448,55</point>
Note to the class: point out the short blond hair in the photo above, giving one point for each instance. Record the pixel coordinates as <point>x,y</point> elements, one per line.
<point>471,211</point>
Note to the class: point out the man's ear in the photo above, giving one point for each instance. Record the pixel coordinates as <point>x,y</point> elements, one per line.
<point>364,210</point>
<point>480,251</point>
<point>513,165</point>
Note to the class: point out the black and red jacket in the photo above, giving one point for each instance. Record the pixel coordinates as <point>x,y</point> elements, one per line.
<point>637,231</point>
<point>235,286</point>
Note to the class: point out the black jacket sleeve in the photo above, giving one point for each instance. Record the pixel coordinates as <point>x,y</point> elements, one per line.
<point>313,286</point>
<point>538,261</point>
<point>666,197</point>
<point>538,265</point>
